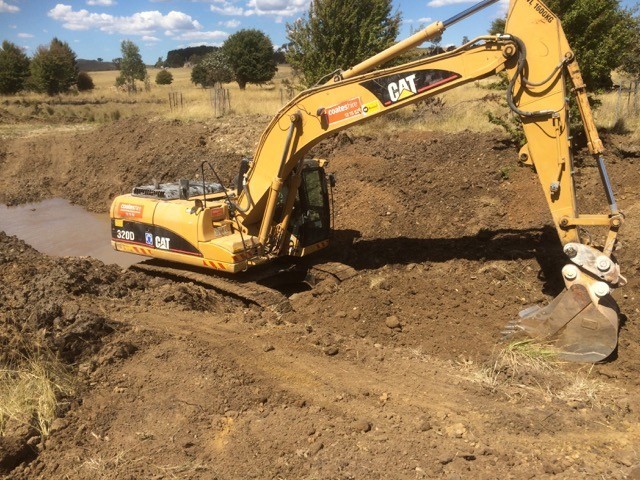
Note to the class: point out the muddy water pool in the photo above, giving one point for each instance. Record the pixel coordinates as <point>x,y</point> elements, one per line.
<point>56,227</point>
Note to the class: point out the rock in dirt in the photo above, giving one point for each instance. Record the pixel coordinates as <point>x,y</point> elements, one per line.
<point>331,350</point>
<point>393,322</point>
<point>457,430</point>
<point>362,426</point>
<point>58,424</point>
<point>425,425</point>
<point>379,283</point>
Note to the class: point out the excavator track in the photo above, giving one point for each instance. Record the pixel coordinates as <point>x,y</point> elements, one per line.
<point>248,291</point>
<point>246,286</point>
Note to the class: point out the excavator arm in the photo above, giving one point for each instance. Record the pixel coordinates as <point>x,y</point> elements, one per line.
<point>583,320</point>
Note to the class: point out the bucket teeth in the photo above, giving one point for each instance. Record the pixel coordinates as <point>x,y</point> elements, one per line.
<point>511,329</point>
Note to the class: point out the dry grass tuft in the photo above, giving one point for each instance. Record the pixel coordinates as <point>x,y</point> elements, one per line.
<point>585,390</point>
<point>528,356</point>
<point>526,369</point>
<point>30,394</point>
<point>519,358</point>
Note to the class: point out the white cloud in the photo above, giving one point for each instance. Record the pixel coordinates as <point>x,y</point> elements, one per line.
<point>418,21</point>
<point>6,8</point>
<point>103,3</point>
<point>230,24</point>
<point>25,35</point>
<point>282,8</point>
<point>141,23</point>
<point>227,8</point>
<point>150,39</point>
<point>193,36</point>
<point>277,8</point>
<point>13,27</point>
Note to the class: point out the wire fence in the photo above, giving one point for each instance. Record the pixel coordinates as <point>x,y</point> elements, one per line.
<point>286,95</point>
<point>627,102</point>
<point>175,101</point>
<point>220,100</point>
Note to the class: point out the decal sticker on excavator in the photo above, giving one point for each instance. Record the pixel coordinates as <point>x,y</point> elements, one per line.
<point>371,108</point>
<point>544,13</point>
<point>344,111</point>
<point>396,88</point>
<point>159,238</point>
<point>130,210</point>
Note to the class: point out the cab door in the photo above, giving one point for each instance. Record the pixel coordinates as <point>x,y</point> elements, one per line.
<point>314,204</point>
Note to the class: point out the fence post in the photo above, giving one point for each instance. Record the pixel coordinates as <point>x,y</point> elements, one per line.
<point>618,102</point>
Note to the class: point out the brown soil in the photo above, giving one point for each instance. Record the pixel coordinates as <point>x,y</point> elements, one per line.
<point>450,237</point>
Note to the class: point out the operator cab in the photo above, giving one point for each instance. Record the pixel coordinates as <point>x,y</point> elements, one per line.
<point>310,225</point>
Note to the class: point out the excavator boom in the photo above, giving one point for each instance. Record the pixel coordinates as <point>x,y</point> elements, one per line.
<point>280,205</point>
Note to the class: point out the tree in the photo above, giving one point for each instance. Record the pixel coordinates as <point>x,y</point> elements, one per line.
<point>164,77</point>
<point>159,63</point>
<point>249,54</point>
<point>497,26</point>
<point>600,32</point>
<point>132,67</point>
<point>53,68</point>
<point>85,82</point>
<point>631,59</point>
<point>337,34</point>
<point>211,70</point>
<point>116,62</point>
<point>14,68</point>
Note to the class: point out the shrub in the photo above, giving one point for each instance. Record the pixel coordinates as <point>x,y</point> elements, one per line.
<point>85,82</point>
<point>164,77</point>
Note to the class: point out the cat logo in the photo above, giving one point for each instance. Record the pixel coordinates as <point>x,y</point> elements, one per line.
<point>403,88</point>
<point>162,243</point>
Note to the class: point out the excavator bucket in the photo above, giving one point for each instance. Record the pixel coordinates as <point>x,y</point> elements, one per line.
<point>580,330</point>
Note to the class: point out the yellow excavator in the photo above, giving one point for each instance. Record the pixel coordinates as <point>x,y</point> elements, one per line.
<point>280,205</point>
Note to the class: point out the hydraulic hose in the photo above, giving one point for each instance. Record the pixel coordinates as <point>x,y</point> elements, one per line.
<point>522,58</point>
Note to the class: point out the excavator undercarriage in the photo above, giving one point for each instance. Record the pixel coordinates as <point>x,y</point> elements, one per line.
<point>280,206</point>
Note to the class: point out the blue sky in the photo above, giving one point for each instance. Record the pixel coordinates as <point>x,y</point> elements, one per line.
<point>95,28</point>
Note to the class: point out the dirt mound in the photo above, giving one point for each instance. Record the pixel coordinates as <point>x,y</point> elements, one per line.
<point>395,372</point>
<point>65,310</point>
<point>90,169</point>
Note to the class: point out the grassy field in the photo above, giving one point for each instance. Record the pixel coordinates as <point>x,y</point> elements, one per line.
<point>464,108</point>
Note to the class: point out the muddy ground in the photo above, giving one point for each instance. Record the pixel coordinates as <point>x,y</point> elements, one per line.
<point>395,373</point>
